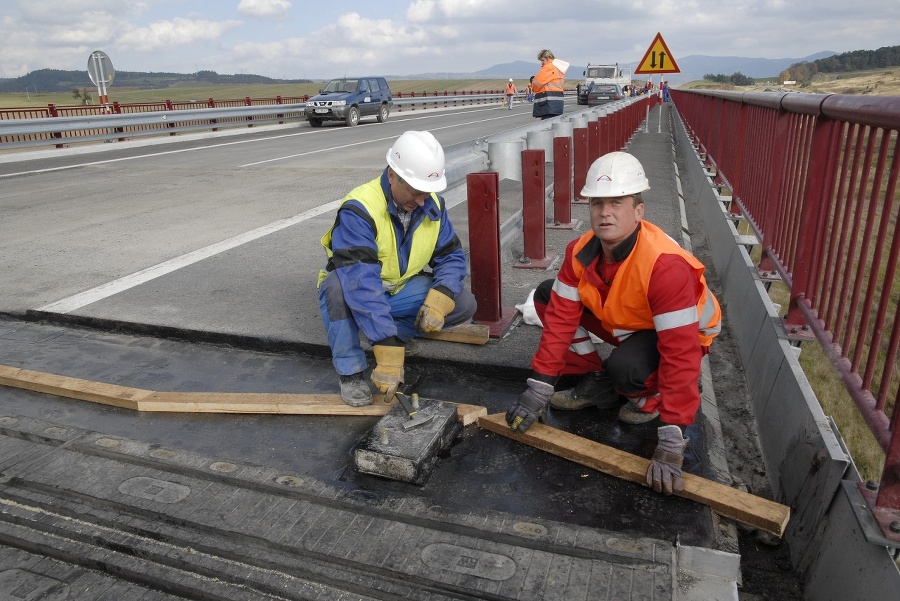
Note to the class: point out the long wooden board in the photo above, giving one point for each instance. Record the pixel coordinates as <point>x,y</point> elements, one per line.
<point>726,501</point>
<point>467,333</point>
<point>139,399</point>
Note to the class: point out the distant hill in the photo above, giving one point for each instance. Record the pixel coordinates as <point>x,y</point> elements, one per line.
<point>692,68</point>
<point>55,80</point>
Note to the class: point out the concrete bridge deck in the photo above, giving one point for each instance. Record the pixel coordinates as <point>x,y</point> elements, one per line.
<point>102,502</point>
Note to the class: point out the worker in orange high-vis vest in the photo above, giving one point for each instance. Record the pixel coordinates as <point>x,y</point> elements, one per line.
<point>549,86</point>
<point>630,284</point>
<point>510,93</point>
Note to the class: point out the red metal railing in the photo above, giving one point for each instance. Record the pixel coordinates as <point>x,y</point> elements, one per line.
<point>816,177</point>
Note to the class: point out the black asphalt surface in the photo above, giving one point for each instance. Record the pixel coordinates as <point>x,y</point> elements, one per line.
<point>102,502</point>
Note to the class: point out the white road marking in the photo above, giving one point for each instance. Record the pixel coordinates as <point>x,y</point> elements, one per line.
<point>137,278</point>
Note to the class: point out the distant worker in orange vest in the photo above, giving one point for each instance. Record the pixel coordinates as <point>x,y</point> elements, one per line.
<point>549,86</point>
<point>510,93</point>
<point>628,283</point>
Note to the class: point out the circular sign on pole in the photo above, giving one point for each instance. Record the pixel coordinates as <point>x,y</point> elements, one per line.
<point>100,68</point>
<point>101,72</point>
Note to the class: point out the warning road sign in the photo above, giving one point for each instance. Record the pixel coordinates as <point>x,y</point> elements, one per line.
<point>657,59</point>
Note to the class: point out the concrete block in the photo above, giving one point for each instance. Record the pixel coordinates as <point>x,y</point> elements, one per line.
<point>408,455</point>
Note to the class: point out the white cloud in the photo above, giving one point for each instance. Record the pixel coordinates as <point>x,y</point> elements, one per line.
<point>264,8</point>
<point>177,32</point>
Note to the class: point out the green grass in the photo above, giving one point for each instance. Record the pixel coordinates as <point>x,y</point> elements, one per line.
<point>231,92</point>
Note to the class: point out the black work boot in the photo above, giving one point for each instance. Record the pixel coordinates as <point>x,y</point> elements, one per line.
<point>355,390</point>
<point>593,390</point>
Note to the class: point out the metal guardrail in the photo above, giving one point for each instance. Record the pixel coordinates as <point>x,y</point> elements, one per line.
<point>100,126</point>
<point>816,177</point>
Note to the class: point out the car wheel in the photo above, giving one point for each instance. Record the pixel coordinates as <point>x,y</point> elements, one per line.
<point>315,122</point>
<point>352,116</point>
<point>383,113</point>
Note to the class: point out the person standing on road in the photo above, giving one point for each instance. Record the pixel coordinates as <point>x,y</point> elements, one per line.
<point>530,89</point>
<point>627,282</point>
<point>549,86</point>
<point>510,93</point>
<point>395,268</point>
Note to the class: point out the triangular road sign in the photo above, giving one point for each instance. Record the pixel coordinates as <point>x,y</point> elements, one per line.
<point>657,59</point>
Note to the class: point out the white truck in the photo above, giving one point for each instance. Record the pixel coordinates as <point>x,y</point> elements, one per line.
<point>602,74</point>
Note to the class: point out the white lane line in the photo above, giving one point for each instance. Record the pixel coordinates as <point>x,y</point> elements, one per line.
<point>137,278</point>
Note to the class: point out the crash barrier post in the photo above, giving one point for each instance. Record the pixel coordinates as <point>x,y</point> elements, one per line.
<point>562,185</point>
<point>593,141</point>
<point>533,212</point>
<point>483,202</point>
<point>581,163</point>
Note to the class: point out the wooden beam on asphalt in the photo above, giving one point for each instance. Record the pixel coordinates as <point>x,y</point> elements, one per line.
<point>726,501</point>
<point>139,399</point>
<point>467,333</point>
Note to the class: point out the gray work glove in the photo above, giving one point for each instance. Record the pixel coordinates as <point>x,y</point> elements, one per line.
<point>664,473</point>
<point>531,405</point>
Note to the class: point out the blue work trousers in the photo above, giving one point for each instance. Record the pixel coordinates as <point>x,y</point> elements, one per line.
<point>347,354</point>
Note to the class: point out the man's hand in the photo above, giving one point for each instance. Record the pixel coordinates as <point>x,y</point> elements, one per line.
<point>433,311</point>
<point>664,473</point>
<point>531,405</point>
<point>388,372</point>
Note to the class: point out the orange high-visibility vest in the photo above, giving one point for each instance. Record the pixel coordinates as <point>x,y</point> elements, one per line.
<point>627,309</point>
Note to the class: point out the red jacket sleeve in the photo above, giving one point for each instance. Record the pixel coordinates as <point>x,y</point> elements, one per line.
<point>673,293</point>
<point>560,320</point>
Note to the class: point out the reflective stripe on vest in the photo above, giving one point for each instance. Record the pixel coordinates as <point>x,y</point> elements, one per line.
<point>425,237</point>
<point>632,280</point>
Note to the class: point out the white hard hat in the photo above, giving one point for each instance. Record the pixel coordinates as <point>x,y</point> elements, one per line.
<point>615,174</point>
<point>418,158</point>
<point>510,80</point>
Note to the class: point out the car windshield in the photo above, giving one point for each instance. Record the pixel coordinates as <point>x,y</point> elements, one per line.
<point>341,85</point>
<point>601,72</point>
<point>604,90</point>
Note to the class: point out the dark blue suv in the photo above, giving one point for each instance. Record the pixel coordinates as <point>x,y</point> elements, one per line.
<point>349,100</point>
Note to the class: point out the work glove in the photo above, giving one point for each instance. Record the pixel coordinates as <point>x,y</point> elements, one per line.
<point>388,372</point>
<point>664,473</point>
<point>433,311</point>
<point>531,405</point>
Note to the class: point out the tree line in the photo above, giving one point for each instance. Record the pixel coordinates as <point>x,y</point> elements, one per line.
<point>737,78</point>
<point>856,60</point>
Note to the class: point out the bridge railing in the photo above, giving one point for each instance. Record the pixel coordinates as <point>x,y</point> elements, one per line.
<point>815,176</point>
<point>61,125</point>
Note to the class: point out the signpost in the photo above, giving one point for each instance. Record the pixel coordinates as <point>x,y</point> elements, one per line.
<point>101,72</point>
<point>657,59</point>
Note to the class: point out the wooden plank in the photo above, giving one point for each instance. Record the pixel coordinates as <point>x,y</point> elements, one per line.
<point>74,388</point>
<point>726,501</point>
<point>467,333</point>
<point>241,402</point>
<point>139,399</point>
<point>469,414</point>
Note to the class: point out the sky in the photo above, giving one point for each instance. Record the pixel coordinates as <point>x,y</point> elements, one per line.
<point>302,39</point>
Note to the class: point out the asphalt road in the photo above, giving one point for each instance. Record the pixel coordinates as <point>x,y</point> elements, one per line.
<point>73,221</point>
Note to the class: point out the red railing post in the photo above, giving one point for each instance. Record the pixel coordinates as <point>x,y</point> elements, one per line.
<point>594,149</point>
<point>533,212</point>
<point>170,107</point>
<point>581,162</point>
<point>483,202</point>
<point>249,102</point>
<point>562,184</point>
<point>55,113</point>
<point>211,103</point>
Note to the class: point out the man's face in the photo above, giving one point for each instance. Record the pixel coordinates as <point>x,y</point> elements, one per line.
<point>406,197</point>
<point>614,219</point>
